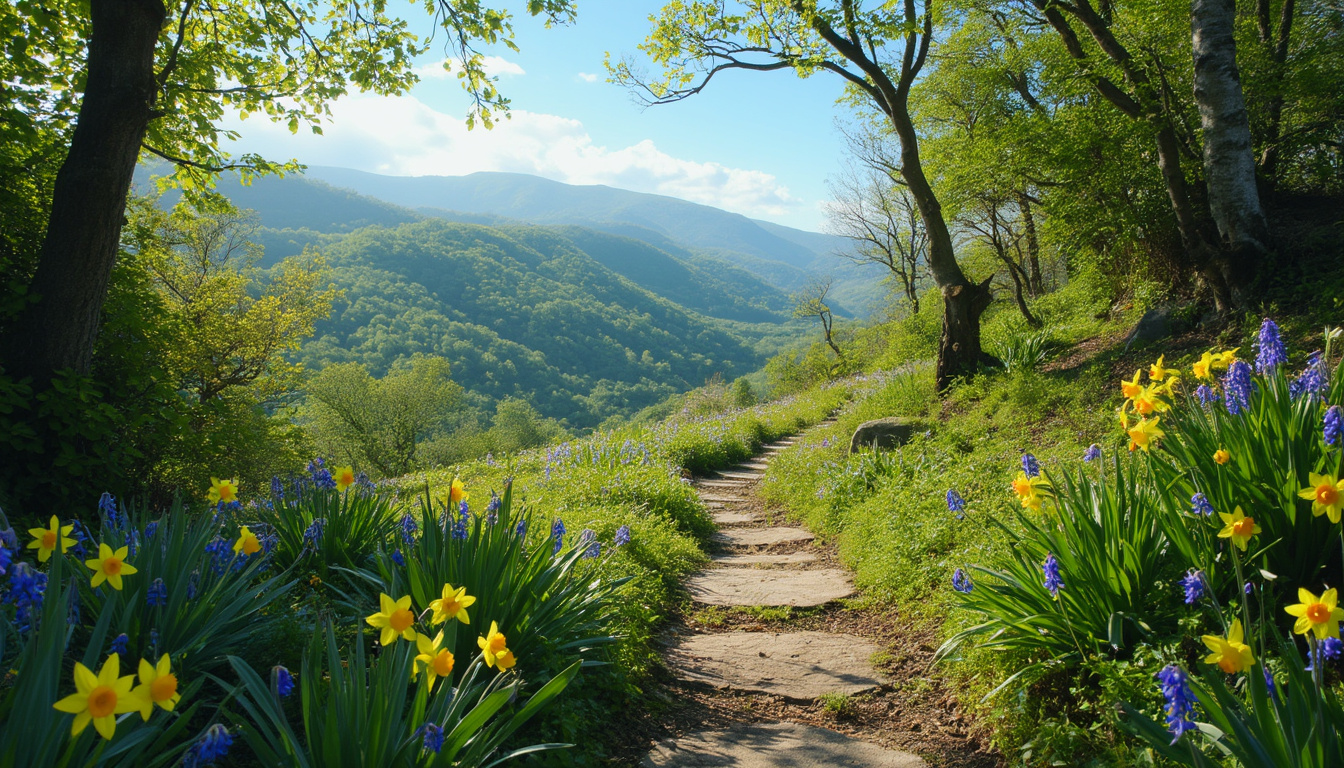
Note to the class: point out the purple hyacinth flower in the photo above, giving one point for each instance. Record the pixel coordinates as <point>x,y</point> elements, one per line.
<point>1179,701</point>
<point>1270,352</point>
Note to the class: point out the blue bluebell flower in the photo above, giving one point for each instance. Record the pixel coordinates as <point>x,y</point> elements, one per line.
<point>1179,701</point>
<point>1193,584</point>
<point>1237,387</point>
<point>79,550</point>
<point>209,748</point>
<point>1248,588</point>
<point>151,528</point>
<point>433,737</point>
<point>284,681</point>
<point>622,536</point>
<point>277,488</point>
<point>107,506</point>
<point>955,503</point>
<point>1269,683</point>
<point>1270,352</point>
<point>408,529</point>
<point>157,595</point>
<point>521,529</point>
<point>132,542</point>
<point>220,552</point>
<point>26,589</point>
<point>961,582</point>
<point>312,535</point>
<point>398,558</point>
<point>1053,581</point>
<point>119,645</point>
<point>1314,380</point>
<point>558,533</point>
<point>492,508</point>
<point>593,547</point>
<point>1199,505</point>
<point>6,559</point>
<point>1205,395</point>
<point>1332,426</point>
<point>1092,453</point>
<point>194,584</point>
<point>1030,465</point>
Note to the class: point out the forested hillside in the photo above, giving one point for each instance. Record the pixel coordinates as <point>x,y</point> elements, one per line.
<point>522,312</point>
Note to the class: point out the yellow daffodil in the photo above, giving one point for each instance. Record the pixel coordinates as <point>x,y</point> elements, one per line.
<point>1123,415</point>
<point>1145,433</point>
<point>1147,401</point>
<point>1230,653</point>
<point>1238,527</point>
<point>457,493</point>
<point>222,491</point>
<point>1325,496</point>
<point>1031,490</point>
<point>435,660</point>
<point>344,477</point>
<point>1203,367</point>
<point>453,605</point>
<point>1173,383</point>
<point>158,685</point>
<point>1224,359</point>
<point>1131,388</point>
<point>1157,372</point>
<point>394,618</point>
<point>99,698</point>
<point>504,660</point>
<point>1221,456</point>
<point>46,540</point>
<point>247,543</point>
<point>1320,615</point>
<point>109,566</point>
<point>492,644</point>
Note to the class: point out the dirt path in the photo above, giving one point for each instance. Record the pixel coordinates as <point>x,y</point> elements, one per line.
<point>774,666</point>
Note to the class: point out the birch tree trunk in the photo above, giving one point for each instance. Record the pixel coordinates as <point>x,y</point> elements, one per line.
<point>1229,158</point>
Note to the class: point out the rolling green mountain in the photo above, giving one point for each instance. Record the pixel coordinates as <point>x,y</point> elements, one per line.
<point>519,311</point>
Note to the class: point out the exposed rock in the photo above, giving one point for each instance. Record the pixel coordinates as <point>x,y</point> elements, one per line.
<point>885,434</point>
<point>1155,325</point>
<point>775,745</point>
<point>763,537</point>
<point>750,586</point>
<point>795,665</point>
<point>733,518</point>
<point>793,558</point>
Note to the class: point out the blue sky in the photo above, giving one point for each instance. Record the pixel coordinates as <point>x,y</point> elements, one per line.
<point>761,144</point>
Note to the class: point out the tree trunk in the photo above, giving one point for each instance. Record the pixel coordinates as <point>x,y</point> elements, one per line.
<point>1037,286</point>
<point>959,352</point>
<point>1229,158</point>
<point>1269,159</point>
<point>89,200</point>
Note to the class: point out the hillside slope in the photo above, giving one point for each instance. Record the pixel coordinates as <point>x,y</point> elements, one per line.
<point>519,311</point>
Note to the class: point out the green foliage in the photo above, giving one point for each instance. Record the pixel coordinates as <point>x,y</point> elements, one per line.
<point>324,531</point>
<point>216,600</point>
<point>553,602</point>
<point>381,423</point>
<point>355,711</point>
<point>1023,351</point>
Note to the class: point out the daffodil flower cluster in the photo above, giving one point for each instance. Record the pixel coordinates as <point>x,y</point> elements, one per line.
<point>99,698</point>
<point>395,620</point>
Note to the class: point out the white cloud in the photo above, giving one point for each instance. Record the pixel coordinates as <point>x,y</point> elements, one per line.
<point>495,66</point>
<point>587,77</point>
<point>404,137</point>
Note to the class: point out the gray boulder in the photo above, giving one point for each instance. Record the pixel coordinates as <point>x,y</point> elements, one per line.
<point>885,434</point>
<point>1155,325</point>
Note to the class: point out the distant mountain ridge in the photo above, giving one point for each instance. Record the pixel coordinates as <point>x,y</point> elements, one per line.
<point>542,201</point>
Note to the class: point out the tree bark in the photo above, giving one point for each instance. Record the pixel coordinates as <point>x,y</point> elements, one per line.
<point>959,352</point>
<point>58,330</point>
<point>1037,286</point>
<point>1229,158</point>
<point>1269,158</point>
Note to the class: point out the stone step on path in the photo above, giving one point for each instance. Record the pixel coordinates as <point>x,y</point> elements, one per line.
<point>798,666</point>
<point>769,588</point>
<point>775,745</point>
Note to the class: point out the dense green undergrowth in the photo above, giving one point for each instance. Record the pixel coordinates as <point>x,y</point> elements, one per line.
<point>890,517</point>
